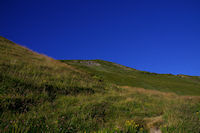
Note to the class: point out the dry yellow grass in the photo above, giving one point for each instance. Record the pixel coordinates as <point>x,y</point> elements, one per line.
<point>149,92</point>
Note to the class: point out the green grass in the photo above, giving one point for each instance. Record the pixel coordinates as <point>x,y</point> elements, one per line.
<point>40,94</point>
<point>125,76</point>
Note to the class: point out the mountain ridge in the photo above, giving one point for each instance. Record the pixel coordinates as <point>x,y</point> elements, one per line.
<point>122,75</point>
<point>180,74</point>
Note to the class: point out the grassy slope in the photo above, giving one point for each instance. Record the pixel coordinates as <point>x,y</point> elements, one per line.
<point>28,79</point>
<point>18,64</point>
<point>38,94</point>
<point>121,75</point>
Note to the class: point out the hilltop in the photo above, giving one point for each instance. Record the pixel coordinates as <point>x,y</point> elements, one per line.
<point>41,94</point>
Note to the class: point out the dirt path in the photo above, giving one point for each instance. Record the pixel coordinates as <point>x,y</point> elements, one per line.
<point>154,130</point>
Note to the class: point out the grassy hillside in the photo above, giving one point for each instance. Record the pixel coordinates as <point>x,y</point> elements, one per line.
<point>40,94</point>
<point>122,75</point>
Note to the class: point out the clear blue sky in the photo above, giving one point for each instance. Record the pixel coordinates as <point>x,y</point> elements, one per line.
<point>158,36</point>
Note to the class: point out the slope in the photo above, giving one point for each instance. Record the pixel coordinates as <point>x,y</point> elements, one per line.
<point>40,94</point>
<point>122,75</point>
<point>29,79</point>
<point>31,72</point>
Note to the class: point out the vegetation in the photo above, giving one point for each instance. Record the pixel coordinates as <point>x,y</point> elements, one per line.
<point>125,76</point>
<point>40,94</point>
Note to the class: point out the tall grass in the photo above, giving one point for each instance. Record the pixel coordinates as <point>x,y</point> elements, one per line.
<point>40,94</point>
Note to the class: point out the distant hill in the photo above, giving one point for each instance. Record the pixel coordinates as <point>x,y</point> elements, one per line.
<point>122,75</point>
<point>40,94</point>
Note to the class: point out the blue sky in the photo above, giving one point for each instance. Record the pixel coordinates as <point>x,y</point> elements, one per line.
<point>160,36</point>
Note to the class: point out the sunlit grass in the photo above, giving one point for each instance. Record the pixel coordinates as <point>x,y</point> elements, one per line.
<point>40,94</point>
